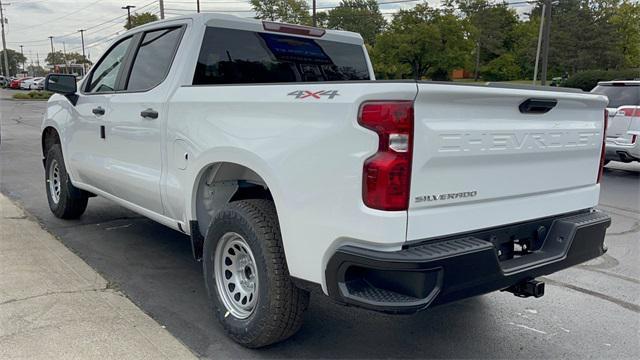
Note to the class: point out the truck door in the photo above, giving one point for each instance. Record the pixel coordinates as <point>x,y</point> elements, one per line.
<point>87,144</point>
<point>136,115</point>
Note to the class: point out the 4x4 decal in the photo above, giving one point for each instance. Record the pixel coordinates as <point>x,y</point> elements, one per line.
<point>303,94</point>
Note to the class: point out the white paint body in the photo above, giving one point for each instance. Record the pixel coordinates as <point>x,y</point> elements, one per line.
<point>310,152</point>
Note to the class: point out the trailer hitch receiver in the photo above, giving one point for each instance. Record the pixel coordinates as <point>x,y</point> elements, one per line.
<point>527,288</point>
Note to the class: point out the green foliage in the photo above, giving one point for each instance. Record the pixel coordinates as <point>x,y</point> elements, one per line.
<point>502,68</point>
<point>493,28</point>
<point>36,71</point>
<point>58,58</point>
<point>15,59</point>
<point>361,16</point>
<point>423,42</point>
<point>627,23</point>
<point>138,19</point>
<point>33,95</point>
<point>587,80</point>
<point>288,11</point>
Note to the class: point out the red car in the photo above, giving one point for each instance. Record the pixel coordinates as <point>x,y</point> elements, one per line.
<point>15,84</point>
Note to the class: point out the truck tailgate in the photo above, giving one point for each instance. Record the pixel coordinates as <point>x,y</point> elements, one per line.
<point>480,161</point>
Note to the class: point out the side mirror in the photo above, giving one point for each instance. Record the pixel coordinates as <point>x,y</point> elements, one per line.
<point>62,84</point>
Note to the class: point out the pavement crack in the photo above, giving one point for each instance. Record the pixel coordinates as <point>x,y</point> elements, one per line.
<point>627,305</point>
<point>635,228</point>
<point>49,293</point>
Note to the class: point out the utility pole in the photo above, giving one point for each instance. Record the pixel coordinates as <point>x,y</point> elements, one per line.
<point>128,8</point>
<point>22,53</point>
<point>545,46</point>
<point>4,43</point>
<point>540,33</point>
<point>315,22</point>
<point>198,5</point>
<point>84,69</point>
<point>66,63</point>
<point>161,3</point>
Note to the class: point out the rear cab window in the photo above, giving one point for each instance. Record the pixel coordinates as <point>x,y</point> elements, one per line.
<point>619,94</point>
<point>229,56</point>
<point>153,60</point>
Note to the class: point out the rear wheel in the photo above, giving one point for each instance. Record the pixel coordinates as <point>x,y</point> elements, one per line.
<point>65,200</point>
<point>247,278</point>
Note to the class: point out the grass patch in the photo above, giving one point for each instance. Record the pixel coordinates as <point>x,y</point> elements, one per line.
<point>33,95</point>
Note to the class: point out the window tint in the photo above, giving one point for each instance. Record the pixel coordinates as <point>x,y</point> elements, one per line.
<point>105,75</point>
<point>236,56</point>
<point>619,95</point>
<point>154,58</point>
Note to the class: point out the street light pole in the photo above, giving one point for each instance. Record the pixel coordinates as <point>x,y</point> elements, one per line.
<point>198,5</point>
<point>22,53</point>
<point>315,22</point>
<point>545,46</point>
<point>540,33</point>
<point>128,8</point>
<point>4,43</point>
<point>161,4</point>
<point>84,58</point>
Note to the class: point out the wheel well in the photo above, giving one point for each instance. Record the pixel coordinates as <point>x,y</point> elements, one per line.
<point>50,137</point>
<point>224,182</point>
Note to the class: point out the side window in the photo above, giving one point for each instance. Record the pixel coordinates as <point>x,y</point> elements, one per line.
<point>154,58</point>
<point>105,75</point>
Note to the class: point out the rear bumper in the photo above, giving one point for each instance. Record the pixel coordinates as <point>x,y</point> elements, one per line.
<point>621,150</point>
<point>444,270</point>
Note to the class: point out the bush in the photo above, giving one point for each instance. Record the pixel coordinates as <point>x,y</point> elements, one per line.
<point>587,80</point>
<point>502,68</point>
<point>33,95</point>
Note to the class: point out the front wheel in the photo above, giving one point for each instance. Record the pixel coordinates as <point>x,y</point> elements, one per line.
<point>247,278</point>
<point>65,200</point>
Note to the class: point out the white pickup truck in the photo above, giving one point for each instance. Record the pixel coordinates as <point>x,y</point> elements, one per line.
<point>292,169</point>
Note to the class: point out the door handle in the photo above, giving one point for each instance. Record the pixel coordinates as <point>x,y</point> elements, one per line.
<point>98,111</point>
<point>149,114</point>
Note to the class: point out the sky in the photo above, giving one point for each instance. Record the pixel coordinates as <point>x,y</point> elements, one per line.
<point>31,22</point>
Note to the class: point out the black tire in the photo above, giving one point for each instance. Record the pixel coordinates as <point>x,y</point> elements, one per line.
<point>72,202</point>
<point>280,305</point>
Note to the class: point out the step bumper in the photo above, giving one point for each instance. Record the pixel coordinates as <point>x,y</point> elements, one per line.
<point>439,271</point>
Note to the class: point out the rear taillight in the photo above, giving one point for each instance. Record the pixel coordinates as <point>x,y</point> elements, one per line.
<point>387,174</point>
<point>629,111</point>
<point>602,151</point>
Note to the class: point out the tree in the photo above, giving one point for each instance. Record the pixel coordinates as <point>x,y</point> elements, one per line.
<point>58,58</point>
<point>424,42</point>
<point>35,70</point>
<point>138,19</point>
<point>288,11</point>
<point>626,19</point>
<point>361,16</point>
<point>493,29</point>
<point>15,59</point>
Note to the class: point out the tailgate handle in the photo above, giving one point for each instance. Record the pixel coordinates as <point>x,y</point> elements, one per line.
<point>537,106</point>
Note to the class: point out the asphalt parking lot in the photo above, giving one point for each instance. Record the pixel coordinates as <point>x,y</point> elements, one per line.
<point>590,311</point>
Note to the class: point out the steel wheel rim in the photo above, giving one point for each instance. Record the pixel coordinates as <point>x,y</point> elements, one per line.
<point>236,275</point>
<point>54,181</point>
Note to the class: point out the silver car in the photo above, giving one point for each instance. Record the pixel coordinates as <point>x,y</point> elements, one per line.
<point>623,130</point>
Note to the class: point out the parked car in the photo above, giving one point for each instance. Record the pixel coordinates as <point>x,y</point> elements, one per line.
<point>37,83</point>
<point>17,83</point>
<point>28,83</point>
<point>4,82</point>
<point>292,169</point>
<point>623,131</point>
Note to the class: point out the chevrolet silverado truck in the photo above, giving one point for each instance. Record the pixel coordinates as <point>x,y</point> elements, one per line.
<point>292,170</point>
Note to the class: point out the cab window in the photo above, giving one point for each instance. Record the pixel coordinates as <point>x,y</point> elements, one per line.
<point>154,58</point>
<point>105,75</point>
